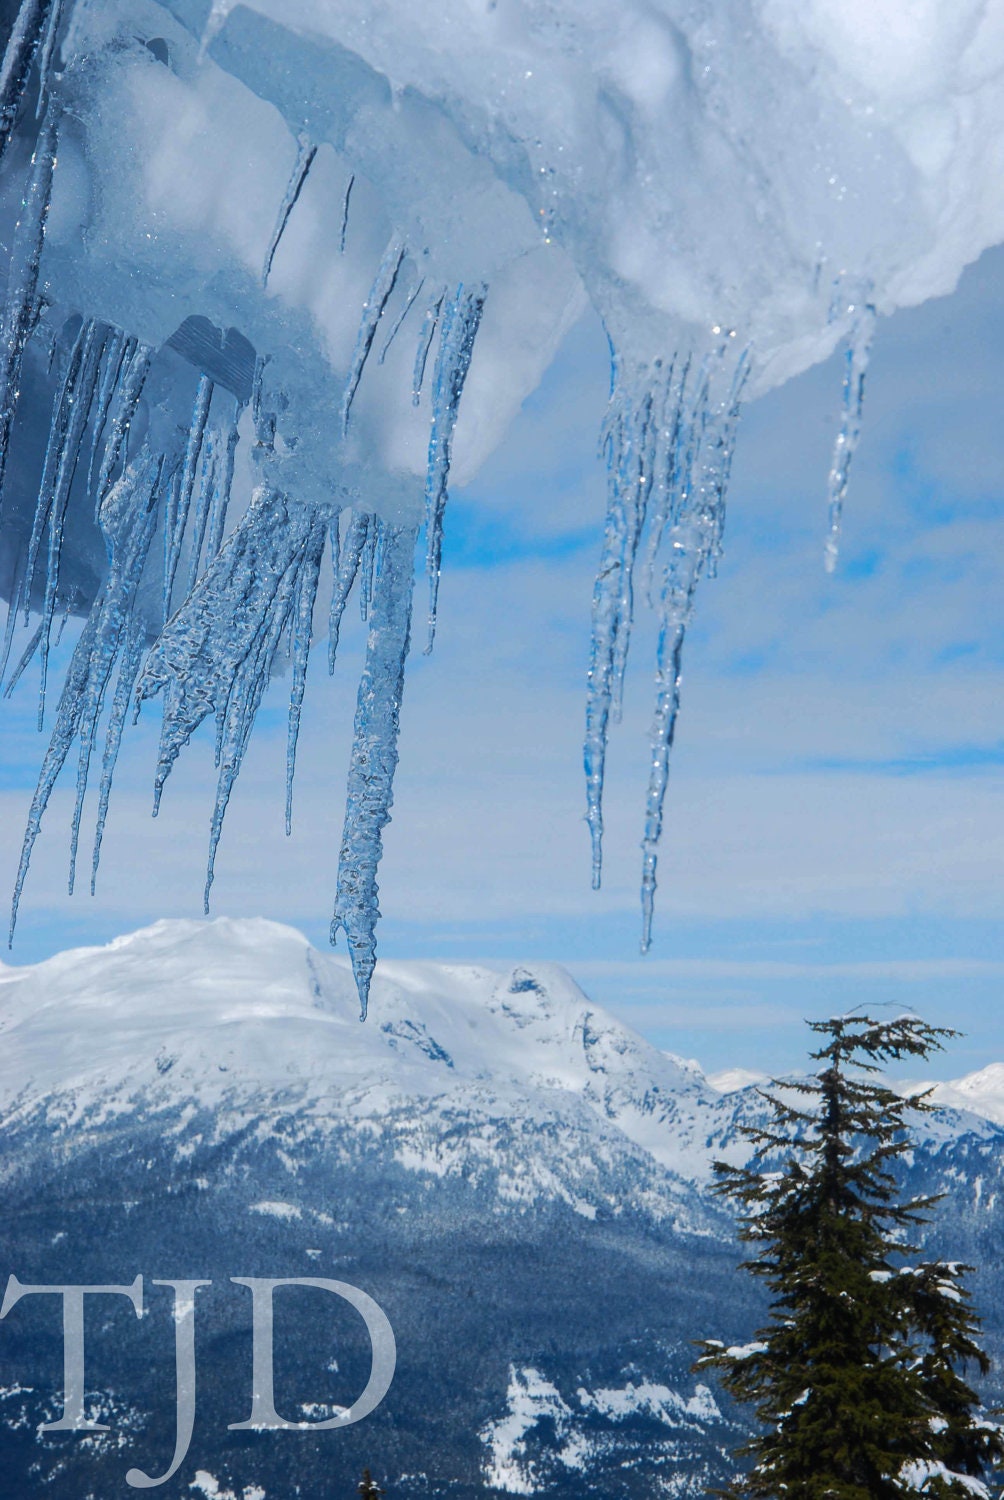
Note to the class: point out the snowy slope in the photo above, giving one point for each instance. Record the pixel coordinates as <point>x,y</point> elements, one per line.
<point>246,1018</point>
<point>980,1093</point>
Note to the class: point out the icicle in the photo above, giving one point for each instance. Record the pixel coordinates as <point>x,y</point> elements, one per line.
<point>129,665</point>
<point>25,658</point>
<point>859,350</point>
<point>373,309</point>
<point>174,531</point>
<point>636,463</point>
<point>135,368</point>
<point>128,520</point>
<point>15,70</point>
<point>254,673</point>
<point>45,59</point>
<point>16,580</point>
<point>456,345</point>
<point>345,214</point>
<point>218,630</point>
<point>305,153</point>
<point>679,433</point>
<point>406,309</point>
<point>76,399</point>
<point>671,637</point>
<point>102,660</point>
<point>425,338</point>
<point>630,471</point>
<point>697,521</point>
<point>62,412</point>
<point>221,490</point>
<point>367,568</point>
<point>20,310</point>
<point>71,599</point>
<point>369,794</point>
<point>302,625</point>
<point>346,566</point>
<point>112,361</point>
<point>208,485</point>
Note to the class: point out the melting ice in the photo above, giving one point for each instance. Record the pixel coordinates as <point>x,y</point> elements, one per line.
<point>277,271</point>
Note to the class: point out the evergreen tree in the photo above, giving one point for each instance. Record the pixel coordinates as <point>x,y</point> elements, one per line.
<point>857,1379</point>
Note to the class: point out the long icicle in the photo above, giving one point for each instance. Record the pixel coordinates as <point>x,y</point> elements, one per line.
<point>637,463</point>
<point>302,626</point>
<point>23,661</point>
<point>46,55</point>
<point>109,646</point>
<point>697,521</point>
<point>204,648</point>
<point>62,411</point>
<point>135,368</point>
<point>425,337</point>
<point>345,214</point>
<point>174,531</point>
<point>246,692</point>
<point>629,466</point>
<point>208,487</point>
<point>15,70</point>
<point>129,665</point>
<point>396,325</point>
<point>20,310</point>
<point>223,486</point>
<point>346,566</point>
<point>128,527</point>
<point>305,153</point>
<point>373,310</point>
<point>859,350</point>
<point>16,579</point>
<point>369,794</point>
<point>461,322</point>
<point>367,567</point>
<point>79,399</point>
<point>117,350</point>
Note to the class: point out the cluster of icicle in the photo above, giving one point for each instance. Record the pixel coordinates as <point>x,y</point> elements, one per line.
<point>668,454</point>
<point>669,438</point>
<point>246,596</point>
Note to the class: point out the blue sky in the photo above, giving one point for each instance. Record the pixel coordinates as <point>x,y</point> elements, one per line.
<point>835,830</point>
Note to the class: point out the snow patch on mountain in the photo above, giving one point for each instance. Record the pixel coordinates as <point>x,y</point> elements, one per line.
<point>981,1093</point>
<point>532,1400</point>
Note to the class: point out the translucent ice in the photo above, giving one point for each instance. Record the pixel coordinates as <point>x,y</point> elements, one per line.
<point>296,264</point>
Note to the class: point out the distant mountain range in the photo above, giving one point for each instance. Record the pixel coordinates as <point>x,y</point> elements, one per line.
<point>520,1181</point>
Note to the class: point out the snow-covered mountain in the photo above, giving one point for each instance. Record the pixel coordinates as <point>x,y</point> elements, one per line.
<point>520,1180</point>
<point>246,1019</point>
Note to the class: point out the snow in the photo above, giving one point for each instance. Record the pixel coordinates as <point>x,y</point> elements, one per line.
<point>656,1401</point>
<point>312,255</point>
<point>918,1474</point>
<point>981,1092</point>
<point>729,1080</point>
<point>532,1399</point>
<point>277,1210</point>
<point>208,1485</point>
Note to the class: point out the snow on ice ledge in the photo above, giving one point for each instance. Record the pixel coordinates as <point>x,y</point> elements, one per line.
<point>279,270</point>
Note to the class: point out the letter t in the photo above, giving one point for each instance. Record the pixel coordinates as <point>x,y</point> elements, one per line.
<point>73,1419</point>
